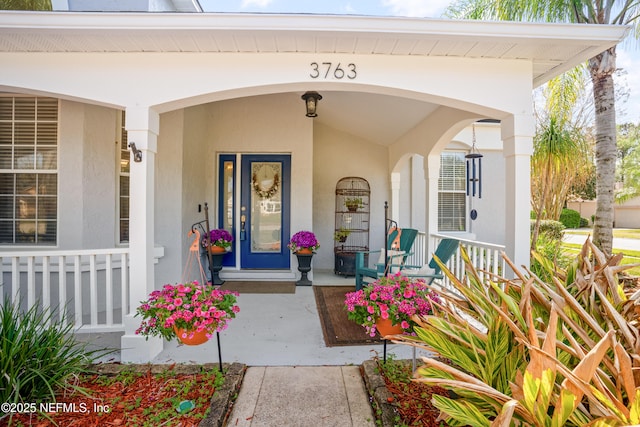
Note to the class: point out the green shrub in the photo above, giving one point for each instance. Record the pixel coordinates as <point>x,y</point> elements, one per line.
<point>570,218</point>
<point>584,222</point>
<point>553,229</point>
<point>38,354</point>
<point>550,250</point>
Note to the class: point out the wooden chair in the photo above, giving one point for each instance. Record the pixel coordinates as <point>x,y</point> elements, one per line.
<point>399,243</point>
<point>430,272</point>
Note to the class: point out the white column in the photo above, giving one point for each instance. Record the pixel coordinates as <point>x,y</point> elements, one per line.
<point>395,196</point>
<point>418,201</point>
<point>517,139</point>
<point>432,164</point>
<point>142,126</point>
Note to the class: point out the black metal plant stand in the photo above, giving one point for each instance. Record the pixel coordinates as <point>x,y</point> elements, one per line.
<point>304,266</point>
<point>215,266</point>
<point>388,223</point>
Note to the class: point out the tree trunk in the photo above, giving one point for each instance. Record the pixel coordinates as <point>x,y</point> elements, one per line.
<point>601,68</point>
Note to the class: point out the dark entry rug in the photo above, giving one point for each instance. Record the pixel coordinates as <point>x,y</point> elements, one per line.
<point>259,287</point>
<point>336,327</point>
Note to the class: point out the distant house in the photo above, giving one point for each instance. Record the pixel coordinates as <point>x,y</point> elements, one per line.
<point>117,128</point>
<point>625,215</point>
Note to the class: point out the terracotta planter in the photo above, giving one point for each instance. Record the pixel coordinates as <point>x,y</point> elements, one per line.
<point>185,336</point>
<point>385,327</point>
<point>217,249</point>
<point>304,251</point>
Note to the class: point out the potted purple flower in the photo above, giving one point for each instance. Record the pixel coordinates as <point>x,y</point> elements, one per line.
<point>219,240</point>
<point>390,301</point>
<point>303,244</point>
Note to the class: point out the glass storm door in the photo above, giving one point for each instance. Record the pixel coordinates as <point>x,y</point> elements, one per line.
<point>264,211</point>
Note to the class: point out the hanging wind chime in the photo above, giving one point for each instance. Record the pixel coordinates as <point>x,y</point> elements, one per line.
<point>474,169</point>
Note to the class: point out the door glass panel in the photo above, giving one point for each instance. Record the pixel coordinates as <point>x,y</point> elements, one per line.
<point>227,196</point>
<point>266,201</point>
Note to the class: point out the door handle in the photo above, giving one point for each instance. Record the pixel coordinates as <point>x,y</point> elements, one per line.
<point>243,221</point>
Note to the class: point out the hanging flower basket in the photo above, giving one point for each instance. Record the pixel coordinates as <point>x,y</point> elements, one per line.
<point>193,337</point>
<point>386,327</point>
<point>188,308</point>
<point>394,298</point>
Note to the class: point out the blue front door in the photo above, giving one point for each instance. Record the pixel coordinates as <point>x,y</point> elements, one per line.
<point>264,211</point>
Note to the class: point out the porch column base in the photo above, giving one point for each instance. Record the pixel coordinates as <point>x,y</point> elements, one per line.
<point>137,348</point>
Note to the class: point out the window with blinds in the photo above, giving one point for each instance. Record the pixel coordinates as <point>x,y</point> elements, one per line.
<point>451,192</point>
<point>123,180</point>
<point>28,169</point>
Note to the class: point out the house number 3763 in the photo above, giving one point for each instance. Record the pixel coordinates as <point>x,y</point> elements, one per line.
<point>329,70</point>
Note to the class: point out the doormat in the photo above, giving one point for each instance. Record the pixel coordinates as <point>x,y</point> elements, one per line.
<point>337,329</point>
<point>254,287</point>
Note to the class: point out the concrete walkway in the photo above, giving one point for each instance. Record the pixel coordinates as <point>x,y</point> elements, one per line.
<point>293,378</point>
<point>332,396</point>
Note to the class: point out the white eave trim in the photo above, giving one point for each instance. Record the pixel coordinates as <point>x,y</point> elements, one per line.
<point>311,24</point>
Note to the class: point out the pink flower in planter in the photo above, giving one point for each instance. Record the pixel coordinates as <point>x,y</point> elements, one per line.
<point>396,297</point>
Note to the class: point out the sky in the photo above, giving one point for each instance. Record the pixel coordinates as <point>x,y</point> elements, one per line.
<point>628,54</point>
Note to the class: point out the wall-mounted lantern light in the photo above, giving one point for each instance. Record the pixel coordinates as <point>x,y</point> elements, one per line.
<point>137,154</point>
<point>311,102</point>
<point>474,169</point>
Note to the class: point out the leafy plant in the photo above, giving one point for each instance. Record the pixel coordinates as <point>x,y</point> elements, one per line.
<point>553,229</point>
<point>354,203</point>
<point>570,218</point>
<point>530,352</point>
<point>547,255</point>
<point>39,354</point>
<point>341,234</point>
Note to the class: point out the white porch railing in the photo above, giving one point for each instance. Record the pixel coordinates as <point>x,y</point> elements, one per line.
<point>485,257</point>
<point>88,287</point>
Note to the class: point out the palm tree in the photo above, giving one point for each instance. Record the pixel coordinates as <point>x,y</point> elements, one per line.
<point>601,68</point>
<point>560,156</point>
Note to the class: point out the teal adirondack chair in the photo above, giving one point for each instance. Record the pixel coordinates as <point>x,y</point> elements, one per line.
<point>407,237</point>
<point>445,250</point>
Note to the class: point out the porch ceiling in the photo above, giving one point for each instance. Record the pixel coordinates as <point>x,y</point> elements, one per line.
<point>378,118</point>
<point>553,48</point>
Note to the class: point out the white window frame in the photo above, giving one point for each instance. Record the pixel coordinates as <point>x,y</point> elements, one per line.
<point>122,157</point>
<point>39,148</point>
<point>456,185</point>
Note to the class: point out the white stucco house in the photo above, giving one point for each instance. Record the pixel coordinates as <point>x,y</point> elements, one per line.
<point>213,104</point>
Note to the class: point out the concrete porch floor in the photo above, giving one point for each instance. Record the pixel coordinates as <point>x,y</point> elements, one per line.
<point>279,330</point>
<point>270,330</point>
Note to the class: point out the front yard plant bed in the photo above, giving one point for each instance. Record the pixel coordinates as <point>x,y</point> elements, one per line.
<point>396,400</point>
<point>144,395</point>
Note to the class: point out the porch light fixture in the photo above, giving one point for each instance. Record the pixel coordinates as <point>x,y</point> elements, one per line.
<point>474,168</point>
<point>137,154</point>
<point>311,102</point>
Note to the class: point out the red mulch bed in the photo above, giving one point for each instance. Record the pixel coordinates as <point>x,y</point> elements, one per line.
<point>129,399</point>
<point>412,399</point>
